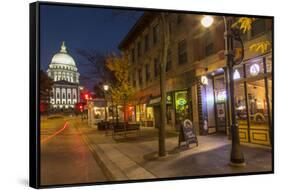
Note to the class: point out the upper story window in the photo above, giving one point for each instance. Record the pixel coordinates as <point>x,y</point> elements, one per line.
<point>133,55</point>
<point>182,52</point>
<point>156,34</point>
<point>147,72</point>
<point>156,67</point>
<point>146,42</point>
<point>139,48</point>
<point>258,27</point>
<point>134,79</point>
<point>169,60</point>
<point>179,18</point>
<point>209,44</point>
<point>140,77</point>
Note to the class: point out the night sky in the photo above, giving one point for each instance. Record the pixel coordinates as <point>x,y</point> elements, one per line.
<point>87,28</point>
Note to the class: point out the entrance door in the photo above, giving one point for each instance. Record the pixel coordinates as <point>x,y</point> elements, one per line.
<point>220,103</point>
<point>221,117</point>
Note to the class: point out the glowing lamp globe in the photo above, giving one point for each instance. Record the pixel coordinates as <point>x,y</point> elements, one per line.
<point>207,21</point>
<point>105,87</point>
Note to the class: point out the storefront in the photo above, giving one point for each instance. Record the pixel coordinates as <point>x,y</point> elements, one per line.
<point>253,101</point>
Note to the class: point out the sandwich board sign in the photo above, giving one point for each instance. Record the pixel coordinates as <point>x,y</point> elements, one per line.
<point>187,133</point>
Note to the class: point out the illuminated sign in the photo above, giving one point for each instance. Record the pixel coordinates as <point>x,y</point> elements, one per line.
<point>181,102</point>
<point>204,80</point>
<point>254,69</point>
<point>221,95</point>
<point>236,75</point>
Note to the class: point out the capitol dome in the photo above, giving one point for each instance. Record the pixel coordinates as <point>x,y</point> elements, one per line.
<point>63,57</point>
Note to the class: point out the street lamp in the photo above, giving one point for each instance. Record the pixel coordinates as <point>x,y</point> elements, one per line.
<point>105,88</point>
<point>207,21</point>
<point>230,36</point>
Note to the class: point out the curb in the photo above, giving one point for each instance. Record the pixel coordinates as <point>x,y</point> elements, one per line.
<point>111,171</point>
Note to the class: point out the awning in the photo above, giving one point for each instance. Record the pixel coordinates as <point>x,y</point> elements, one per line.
<point>156,101</point>
<point>144,99</point>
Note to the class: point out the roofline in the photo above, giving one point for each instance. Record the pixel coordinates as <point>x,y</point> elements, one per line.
<point>147,16</point>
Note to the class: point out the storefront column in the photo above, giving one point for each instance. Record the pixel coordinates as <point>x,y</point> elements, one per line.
<point>267,101</point>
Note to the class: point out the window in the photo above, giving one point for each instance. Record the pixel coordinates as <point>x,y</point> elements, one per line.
<point>146,42</point>
<point>68,96</point>
<point>258,27</point>
<point>58,95</point>
<point>209,44</point>
<point>179,18</point>
<point>133,55</point>
<point>182,52</point>
<point>134,82</point>
<point>63,95</point>
<point>74,96</point>
<point>139,49</point>
<point>156,67</point>
<point>140,77</point>
<point>155,34</point>
<point>169,61</point>
<point>147,72</point>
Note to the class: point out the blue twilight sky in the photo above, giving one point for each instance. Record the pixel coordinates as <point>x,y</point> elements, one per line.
<point>92,29</point>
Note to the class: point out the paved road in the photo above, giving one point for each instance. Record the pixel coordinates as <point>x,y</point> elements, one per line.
<point>65,158</point>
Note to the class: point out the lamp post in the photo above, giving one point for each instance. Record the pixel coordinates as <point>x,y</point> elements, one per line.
<point>105,88</point>
<point>231,35</point>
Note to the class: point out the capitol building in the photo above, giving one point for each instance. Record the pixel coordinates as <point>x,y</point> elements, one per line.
<point>63,71</point>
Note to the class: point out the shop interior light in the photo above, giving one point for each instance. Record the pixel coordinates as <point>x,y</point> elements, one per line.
<point>236,75</point>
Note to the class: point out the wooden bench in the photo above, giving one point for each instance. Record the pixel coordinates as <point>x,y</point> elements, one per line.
<point>121,129</point>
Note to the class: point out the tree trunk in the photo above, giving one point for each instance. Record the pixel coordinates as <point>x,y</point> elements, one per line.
<point>165,43</point>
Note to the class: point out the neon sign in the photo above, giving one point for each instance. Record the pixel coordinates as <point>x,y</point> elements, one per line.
<point>221,95</point>
<point>254,69</point>
<point>181,102</point>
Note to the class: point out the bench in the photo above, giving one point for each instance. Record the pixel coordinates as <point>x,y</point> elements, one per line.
<point>121,129</point>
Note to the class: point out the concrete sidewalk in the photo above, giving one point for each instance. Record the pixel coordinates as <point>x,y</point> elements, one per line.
<point>135,157</point>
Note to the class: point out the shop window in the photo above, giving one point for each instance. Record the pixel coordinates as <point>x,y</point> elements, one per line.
<point>182,52</point>
<point>257,104</point>
<point>183,106</point>
<point>240,104</point>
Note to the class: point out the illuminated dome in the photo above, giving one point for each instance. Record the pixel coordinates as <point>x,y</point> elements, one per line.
<point>63,57</point>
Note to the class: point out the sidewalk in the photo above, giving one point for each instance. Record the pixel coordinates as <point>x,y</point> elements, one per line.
<point>135,157</point>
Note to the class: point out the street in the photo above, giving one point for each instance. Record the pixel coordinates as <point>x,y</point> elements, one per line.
<point>65,158</point>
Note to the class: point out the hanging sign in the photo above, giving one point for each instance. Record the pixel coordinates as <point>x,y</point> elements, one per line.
<point>204,80</point>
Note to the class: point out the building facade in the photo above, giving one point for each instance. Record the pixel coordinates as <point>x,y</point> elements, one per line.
<point>196,79</point>
<point>62,69</point>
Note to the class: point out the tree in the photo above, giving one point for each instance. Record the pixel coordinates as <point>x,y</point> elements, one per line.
<point>165,40</point>
<point>122,90</point>
<point>45,87</point>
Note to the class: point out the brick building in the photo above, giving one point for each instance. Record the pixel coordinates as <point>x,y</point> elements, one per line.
<point>197,53</point>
